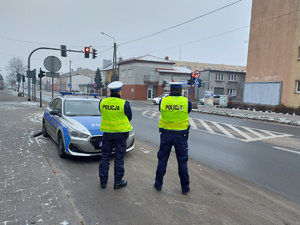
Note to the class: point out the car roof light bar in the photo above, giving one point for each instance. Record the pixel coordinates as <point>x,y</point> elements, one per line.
<point>78,93</point>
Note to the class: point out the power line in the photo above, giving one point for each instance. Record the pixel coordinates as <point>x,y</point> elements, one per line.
<point>188,21</point>
<point>216,35</point>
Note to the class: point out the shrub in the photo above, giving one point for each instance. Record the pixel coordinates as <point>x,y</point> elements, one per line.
<point>281,108</point>
<point>290,110</point>
<point>297,111</point>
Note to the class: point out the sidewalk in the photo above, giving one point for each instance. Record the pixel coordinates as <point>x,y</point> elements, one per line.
<point>30,192</point>
<point>247,114</point>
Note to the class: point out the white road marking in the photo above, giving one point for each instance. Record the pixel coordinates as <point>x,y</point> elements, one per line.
<point>206,126</point>
<point>192,124</point>
<point>227,133</point>
<point>240,132</point>
<point>287,150</point>
<point>156,115</point>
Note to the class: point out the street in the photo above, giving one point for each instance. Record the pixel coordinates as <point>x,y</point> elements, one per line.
<point>38,186</point>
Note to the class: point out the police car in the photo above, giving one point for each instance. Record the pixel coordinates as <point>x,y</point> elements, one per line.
<point>73,122</point>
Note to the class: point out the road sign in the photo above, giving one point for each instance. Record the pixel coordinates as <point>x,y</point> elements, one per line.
<point>31,73</point>
<point>95,85</point>
<point>197,73</point>
<point>54,75</point>
<point>52,64</point>
<point>69,85</point>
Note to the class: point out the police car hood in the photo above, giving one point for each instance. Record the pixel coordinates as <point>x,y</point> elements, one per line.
<point>86,124</point>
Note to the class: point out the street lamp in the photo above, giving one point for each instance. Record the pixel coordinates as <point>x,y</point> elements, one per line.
<point>114,71</point>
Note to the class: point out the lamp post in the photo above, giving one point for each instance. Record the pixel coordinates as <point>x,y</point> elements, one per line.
<point>114,70</point>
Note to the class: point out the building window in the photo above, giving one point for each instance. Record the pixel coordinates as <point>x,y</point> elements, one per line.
<point>122,73</point>
<point>219,77</point>
<point>298,86</point>
<point>194,67</point>
<point>199,68</point>
<point>232,77</point>
<point>299,53</point>
<point>188,67</point>
<point>129,72</point>
<point>232,92</point>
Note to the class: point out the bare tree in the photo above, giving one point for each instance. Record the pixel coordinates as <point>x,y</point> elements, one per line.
<point>15,65</point>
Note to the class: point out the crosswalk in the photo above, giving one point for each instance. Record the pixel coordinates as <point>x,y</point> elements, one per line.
<point>242,133</point>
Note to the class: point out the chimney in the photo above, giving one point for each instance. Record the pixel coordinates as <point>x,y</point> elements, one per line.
<point>167,58</point>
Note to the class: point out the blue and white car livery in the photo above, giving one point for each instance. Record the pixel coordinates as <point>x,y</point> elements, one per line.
<point>73,122</point>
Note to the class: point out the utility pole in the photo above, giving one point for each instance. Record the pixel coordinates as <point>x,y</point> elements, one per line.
<point>70,77</point>
<point>115,76</point>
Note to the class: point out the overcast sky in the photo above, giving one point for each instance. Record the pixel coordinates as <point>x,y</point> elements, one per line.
<point>206,31</point>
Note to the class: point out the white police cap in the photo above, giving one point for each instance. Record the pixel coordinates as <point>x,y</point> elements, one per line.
<point>175,84</point>
<point>115,86</point>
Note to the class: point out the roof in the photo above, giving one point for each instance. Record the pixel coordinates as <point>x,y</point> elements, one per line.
<point>176,69</point>
<point>146,58</point>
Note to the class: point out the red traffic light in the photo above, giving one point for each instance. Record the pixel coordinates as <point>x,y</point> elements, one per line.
<point>86,52</point>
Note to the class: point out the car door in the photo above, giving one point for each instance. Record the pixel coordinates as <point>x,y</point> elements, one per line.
<point>56,119</point>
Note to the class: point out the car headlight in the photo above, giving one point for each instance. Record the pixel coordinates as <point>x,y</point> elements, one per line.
<point>76,133</point>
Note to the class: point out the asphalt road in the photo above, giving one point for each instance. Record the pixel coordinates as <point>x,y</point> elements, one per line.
<point>261,152</point>
<point>264,153</point>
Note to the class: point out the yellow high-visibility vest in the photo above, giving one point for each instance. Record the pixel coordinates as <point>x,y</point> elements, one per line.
<point>174,113</point>
<point>114,119</point>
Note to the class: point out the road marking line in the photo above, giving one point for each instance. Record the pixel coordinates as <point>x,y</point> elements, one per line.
<point>227,133</point>
<point>153,114</point>
<point>287,150</point>
<point>268,132</point>
<point>192,124</point>
<point>248,138</point>
<point>206,126</point>
<point>254,132</point>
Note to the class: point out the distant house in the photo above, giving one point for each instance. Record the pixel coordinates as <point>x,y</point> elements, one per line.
<point>222,83</point>
<point>143,76</point>
<point>79,77</point>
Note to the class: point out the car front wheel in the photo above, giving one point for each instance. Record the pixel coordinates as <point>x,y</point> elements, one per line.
<point>61,147</point>
<point>45,133</point>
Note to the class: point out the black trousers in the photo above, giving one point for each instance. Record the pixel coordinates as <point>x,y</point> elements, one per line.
<point>110,141</point>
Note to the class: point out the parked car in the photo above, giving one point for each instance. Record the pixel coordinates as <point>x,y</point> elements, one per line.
<point>73,122</point>
<point>157,99</point>
<point>201,101</point>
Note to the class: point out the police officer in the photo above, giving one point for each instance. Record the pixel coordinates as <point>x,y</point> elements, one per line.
<point>174,129</point>
<point>116,114</point>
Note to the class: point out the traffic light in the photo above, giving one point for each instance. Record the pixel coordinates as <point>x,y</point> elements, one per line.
<point>164,84</point>
<point>41,74</point>
<point>200,83</point>
<point>63,50</point>
<point>23,78</point>
<point>94,53</point>
<point>86,52</point>
<point>191,80</point>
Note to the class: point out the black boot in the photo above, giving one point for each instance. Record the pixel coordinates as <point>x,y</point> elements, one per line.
<point>123,183</point>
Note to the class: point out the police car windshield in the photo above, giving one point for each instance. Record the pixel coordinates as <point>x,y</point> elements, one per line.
<point>81,108</point>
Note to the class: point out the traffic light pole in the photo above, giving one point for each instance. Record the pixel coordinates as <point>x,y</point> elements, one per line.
<point>57,49</point>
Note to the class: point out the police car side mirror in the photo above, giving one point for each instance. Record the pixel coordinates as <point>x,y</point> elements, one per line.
<point>55,113</point>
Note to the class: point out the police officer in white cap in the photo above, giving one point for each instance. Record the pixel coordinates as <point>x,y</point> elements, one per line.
<point>174,128</point>
<point>116,114</point>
